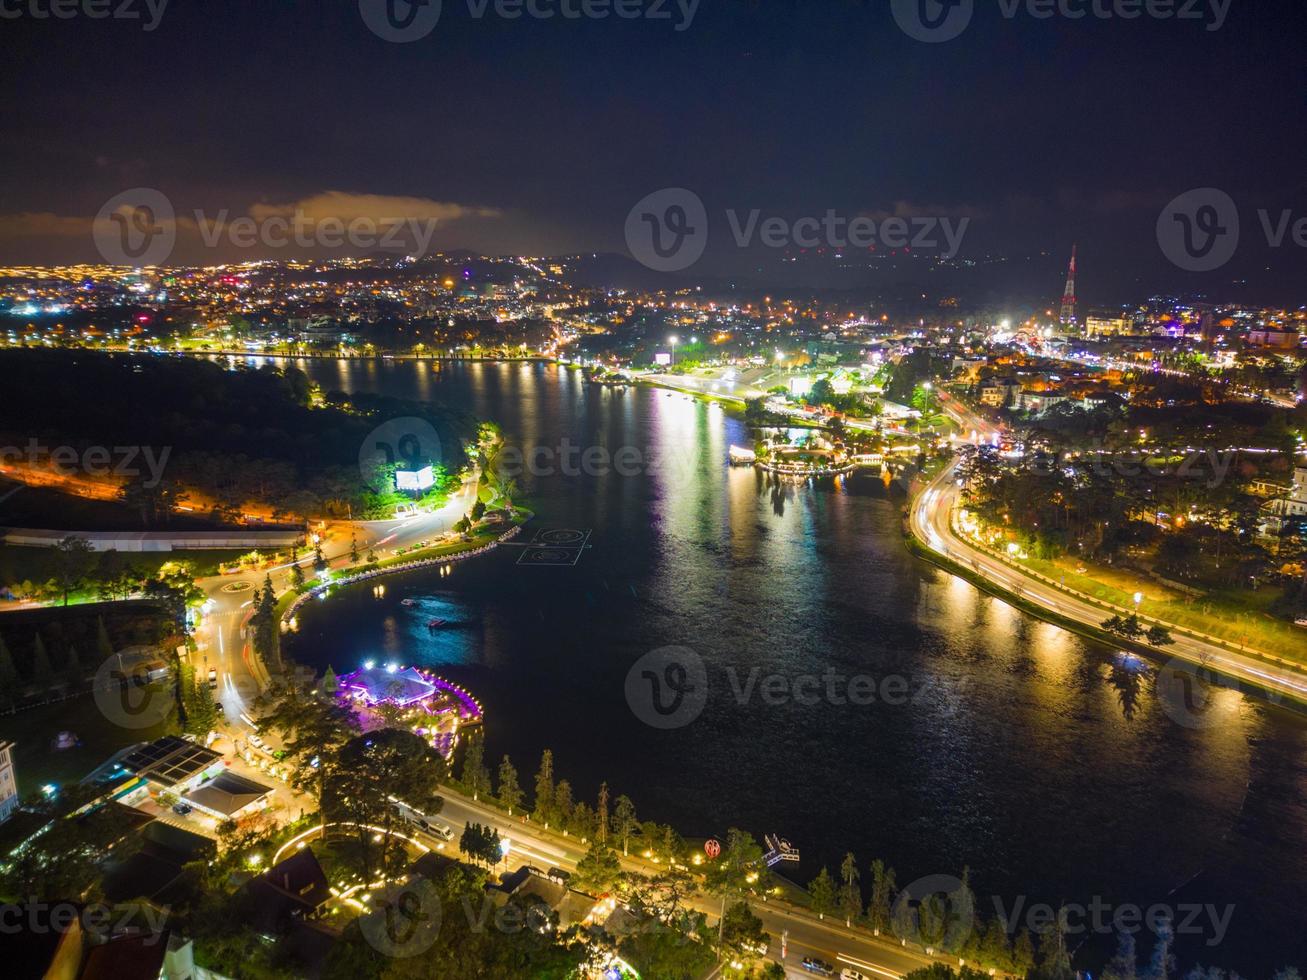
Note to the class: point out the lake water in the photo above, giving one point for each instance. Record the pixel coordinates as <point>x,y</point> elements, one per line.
<point>994,740</point>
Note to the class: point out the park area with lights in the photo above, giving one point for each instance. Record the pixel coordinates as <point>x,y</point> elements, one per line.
<point>432,706</point>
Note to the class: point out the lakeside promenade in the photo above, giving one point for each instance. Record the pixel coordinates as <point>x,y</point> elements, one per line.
<point>930,520</point>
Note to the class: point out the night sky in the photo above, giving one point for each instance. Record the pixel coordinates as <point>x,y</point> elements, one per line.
<point>532,136</point>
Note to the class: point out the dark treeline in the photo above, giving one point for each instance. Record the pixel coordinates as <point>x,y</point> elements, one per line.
<point>233,436</point>
<point>41,651</point>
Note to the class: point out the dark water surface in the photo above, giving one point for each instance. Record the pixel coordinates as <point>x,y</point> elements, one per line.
<point>1018,749</point>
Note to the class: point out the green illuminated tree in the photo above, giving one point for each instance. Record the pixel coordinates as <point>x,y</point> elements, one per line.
<point>882,896</point>
<point>510,793</point>
<point>850,893</point>
<point>821,894</point>
<point>598,870</point>
<point>624,821</point>
<point>544,789</point>
<point>473,773</point>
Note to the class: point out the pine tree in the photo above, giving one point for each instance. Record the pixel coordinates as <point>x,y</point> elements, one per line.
<point>581,822</point>
<point>329,685</point>
<point>1125,964</point>
<point>601,814</point>
<point>882,896</point>
<point>1054,961</point>
<point>510,793</point>
<point>42,673</point>
<point>1023,954</point>
<point>296,577</point>
<point>562,803</point>
<point>267,634</point>
<point>1162,962</point>
<point>850,894</point>
<point>821,894</point>
<point>995,951</point>
<point>474,774</point>
<point>544,798</point>
<point>624,820</point>
<point>962,908</point>
<point>353,550</point>
<point>319,560</point>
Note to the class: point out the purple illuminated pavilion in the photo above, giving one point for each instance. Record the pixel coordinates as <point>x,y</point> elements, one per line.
<point>409,687</point>
<point>377,685</point>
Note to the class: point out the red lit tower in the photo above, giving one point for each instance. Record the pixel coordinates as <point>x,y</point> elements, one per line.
<point>1068,317</point>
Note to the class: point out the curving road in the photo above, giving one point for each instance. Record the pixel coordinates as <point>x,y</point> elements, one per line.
<point>223,641</point>
<point>930,519</point>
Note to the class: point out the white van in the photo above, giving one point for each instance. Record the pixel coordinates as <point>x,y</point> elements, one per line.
<point>431,826</point>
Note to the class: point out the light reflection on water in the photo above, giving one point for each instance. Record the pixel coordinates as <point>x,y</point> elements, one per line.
<point>1023,751</point>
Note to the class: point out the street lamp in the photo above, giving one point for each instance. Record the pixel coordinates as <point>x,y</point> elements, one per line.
<point>1139,597</point>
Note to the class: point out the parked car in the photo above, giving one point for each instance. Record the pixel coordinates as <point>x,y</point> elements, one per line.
<point>181,809</point>
<point>213,678</point>
<point>758,948</point>
<point>818,966</point>
<point>850,974</point>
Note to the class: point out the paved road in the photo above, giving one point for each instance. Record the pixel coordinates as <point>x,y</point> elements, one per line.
<point>828,940</point>
<point>930,518</point>
<point>223,641</point>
